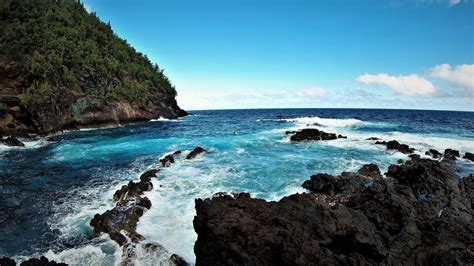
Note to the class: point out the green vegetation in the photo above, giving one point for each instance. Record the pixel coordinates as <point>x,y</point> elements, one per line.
<point>67,52</point>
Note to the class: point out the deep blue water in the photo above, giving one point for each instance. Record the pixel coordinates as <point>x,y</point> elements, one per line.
<point>50,190</point>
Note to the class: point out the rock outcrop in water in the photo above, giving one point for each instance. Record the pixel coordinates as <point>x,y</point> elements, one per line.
<point>11,141</point>
<point>434,153</point>
<point>42,261</point>
<point>312,134</point>
<point>395,145</point>
<point>451,154</point>
<point>469,156</point>
<point>198,150</point>
<point>130,204</point>
<point>420,214</point>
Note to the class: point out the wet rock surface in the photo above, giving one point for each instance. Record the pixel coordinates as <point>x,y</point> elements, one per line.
<point>312,134</point>
<point>469,156</point>
<point>11,141</point>
<point>451,154</point>
<point>42,261</point>
<point>395,145</point>
<point>420,214</point>
<point>121,221</point>
<point>198,150</point>
<point>434,153</point>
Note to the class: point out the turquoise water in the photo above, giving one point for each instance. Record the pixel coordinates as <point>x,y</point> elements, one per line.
<point>53,187</point>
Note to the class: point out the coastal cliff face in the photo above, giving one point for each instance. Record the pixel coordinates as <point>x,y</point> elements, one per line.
<point>62,68</point>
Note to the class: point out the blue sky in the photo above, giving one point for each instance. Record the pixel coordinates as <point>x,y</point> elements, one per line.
<point>297,53</point>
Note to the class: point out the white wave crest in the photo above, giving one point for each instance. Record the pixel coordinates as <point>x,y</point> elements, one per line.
<point>329,122</point>
<point>162,119</point>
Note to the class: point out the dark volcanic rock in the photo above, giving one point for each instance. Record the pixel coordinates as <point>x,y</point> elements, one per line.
<point>132,190</point>
<point>309,134</point>
<point>469,156</point>
<point>42,261</point>
<point>198,150</point>
<point>395,145</point>
<point>12,141</point>
<point>7,262</point>
<point>168,159</point>
<point>421,214</point>
<point>146,177</point>
<point>373,138</point>
<point>451,154</point>
<point>124,216</point>
<point>434,153</point>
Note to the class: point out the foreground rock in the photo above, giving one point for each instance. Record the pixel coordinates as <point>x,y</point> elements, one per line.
<point>421,214</point>
<point>43,261</point>
<point>12,141</point>
<point>395,145</point>
<point>312,134</point>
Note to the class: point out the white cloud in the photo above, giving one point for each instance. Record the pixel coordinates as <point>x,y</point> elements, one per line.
<point>312,93</point>
<point>412,85</point>
<point>453,2</point>
<point>461,76</point>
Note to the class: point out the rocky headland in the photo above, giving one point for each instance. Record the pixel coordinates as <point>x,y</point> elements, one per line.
<point>420,213</point>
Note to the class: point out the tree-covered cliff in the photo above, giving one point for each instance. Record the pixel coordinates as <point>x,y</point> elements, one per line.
<point>61,67</point>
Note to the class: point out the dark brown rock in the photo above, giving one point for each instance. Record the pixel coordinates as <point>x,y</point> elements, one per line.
<point>420,214</point>
<point>167,160</point>
<point>42,261</point>
<point>12,141</point>
<point>469,156</point>
<point>311,134</point>
<point>395,145</point>
<point>434,153</point>
<point>373,138</point>
<point>7,262</point>
<point>451,154</point>
<point>198,150</point>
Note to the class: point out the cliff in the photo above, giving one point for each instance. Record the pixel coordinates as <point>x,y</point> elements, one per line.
<point>62,68</point>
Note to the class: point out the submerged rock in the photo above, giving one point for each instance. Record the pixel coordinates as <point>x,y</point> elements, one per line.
<point>311,134</point>
<point>12,141</point>
<point>469,156</point>
<point>421,214</point>
<point>434,153</point>
<point>373,138</point>
<point>168,159</point>
<point>395,145</point>
<point>198,150</point>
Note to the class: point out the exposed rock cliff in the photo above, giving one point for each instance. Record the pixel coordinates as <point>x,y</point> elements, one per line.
<point>62,68</point>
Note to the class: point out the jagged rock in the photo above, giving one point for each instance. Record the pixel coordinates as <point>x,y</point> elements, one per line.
<point>314,125</point>
<point>198,150</point>
<point>451,154</point>
<point>124,216</point>
<point>373,138</point>
<point>469,156</point>
<point>146,177</point>
<point>395,145</point>
<point>12,141</point>
<point>420,214</point>
<point>434,153</point>
<point>310,134</point>
<point>168,159</point>
<point>7,262</point>
<point>132,190</point>
<point>42,261</point>
<point>344,184</point>
<point>341,136</point>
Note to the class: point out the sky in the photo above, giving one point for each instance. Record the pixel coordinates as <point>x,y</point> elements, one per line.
<point>228,54</point>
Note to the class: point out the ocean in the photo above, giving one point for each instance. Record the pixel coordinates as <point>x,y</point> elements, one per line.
<point>51,189</point>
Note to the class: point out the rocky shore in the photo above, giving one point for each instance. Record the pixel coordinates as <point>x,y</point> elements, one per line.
<point>130,204</point>
<point>420,213</point>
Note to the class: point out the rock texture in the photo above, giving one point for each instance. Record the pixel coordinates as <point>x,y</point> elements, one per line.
<point>42,261</point>
<point>312,134</point>
<point>12,141</point>
<point>434,153</point>
<point>395,145</point>
<point>420,214</point>
<point>451,154</point>
<point>469,156</point>
<point>198,150</point>
<point>121,221</point>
